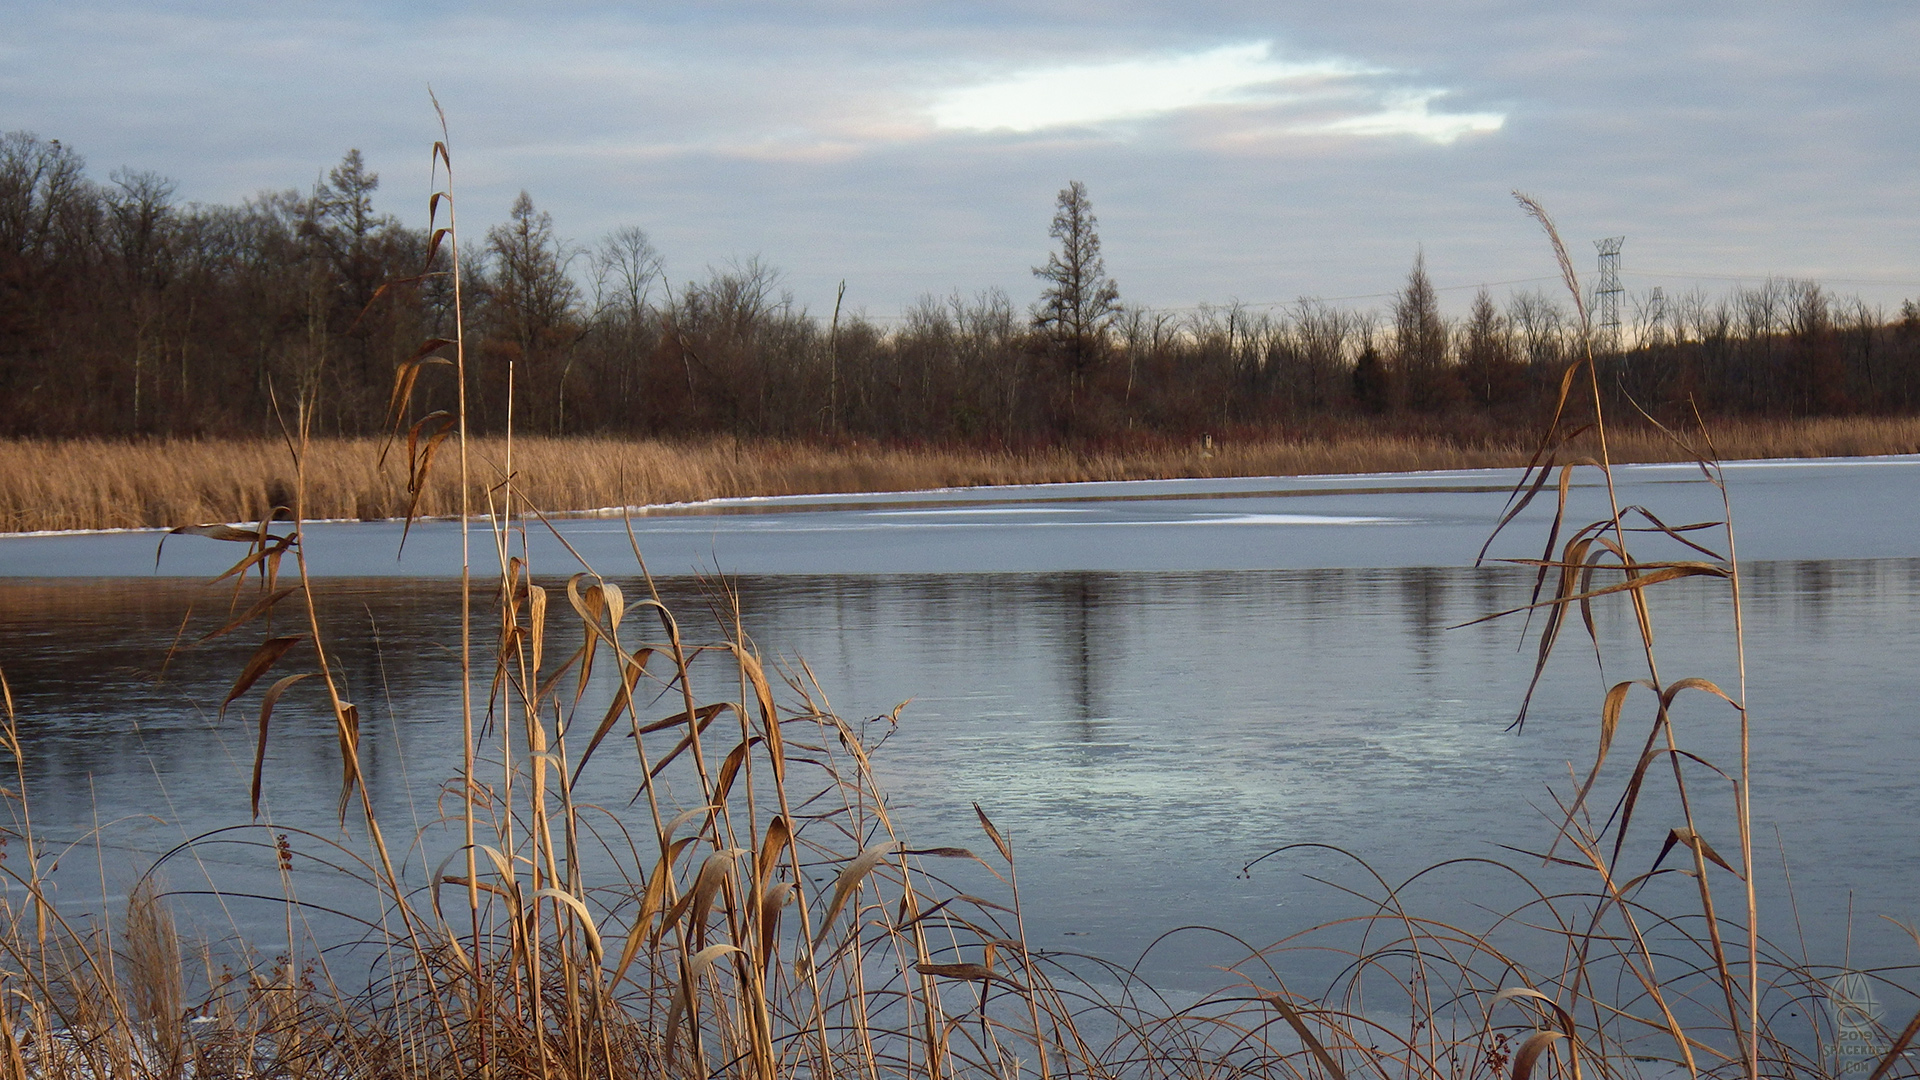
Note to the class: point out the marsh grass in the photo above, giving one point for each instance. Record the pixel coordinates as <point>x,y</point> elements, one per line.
<point>86,484</point>
<point>756,914</point>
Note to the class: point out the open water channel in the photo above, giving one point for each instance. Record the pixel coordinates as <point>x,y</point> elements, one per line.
<point>1148,685</point>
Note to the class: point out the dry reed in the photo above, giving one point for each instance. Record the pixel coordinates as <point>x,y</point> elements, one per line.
<point>89,484</point>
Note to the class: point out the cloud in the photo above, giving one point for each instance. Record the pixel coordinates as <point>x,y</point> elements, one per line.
<point>1411,113</point>
<point>1243,79</point>
<point>1090,94</point>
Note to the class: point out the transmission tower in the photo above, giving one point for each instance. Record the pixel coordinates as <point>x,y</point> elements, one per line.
<point>1657,314</point>
<point>1609,292</point>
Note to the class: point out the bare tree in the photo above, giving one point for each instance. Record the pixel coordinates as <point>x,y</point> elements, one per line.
<point>1540,326</point>
<point>625,267</point>
<point>1487,364</point>
<point>139,213</point>
<point>1321,332</point>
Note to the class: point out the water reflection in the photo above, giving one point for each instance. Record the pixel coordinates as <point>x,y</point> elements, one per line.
<point>1141,736</point>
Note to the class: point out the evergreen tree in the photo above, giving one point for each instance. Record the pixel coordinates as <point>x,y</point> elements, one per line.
<point>1080,300</point>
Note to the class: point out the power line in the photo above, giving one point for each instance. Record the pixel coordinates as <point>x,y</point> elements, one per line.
<point>1296,300</point>
<point>1637,273</point>
<point>1358,296</point>
<point>1774,277</point>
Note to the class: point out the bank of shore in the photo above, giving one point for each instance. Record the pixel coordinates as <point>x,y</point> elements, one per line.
<point>92,484</point>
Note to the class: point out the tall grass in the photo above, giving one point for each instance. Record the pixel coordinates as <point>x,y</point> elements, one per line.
<point>759,915</point>
<point>87,484</point>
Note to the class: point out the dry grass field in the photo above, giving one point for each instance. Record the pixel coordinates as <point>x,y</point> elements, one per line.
<point>118,485</point>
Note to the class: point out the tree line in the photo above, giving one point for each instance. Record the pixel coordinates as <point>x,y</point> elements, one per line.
<point>126,312</point>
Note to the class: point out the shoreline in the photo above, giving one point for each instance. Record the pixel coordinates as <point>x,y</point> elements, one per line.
<point>836,500</point>
<point>85,487</point>
<point>917,497</point>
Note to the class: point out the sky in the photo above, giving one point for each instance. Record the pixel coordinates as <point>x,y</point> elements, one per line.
<point>1234,151</point>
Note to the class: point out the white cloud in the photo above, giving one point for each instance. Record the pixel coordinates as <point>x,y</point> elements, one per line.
<point>1089,94</point>
<point>1411,113</point>
<point>1246,77</point>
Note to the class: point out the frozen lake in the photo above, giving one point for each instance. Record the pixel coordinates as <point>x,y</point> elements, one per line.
<point>1147,684</point>
<point>1821,509</point>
